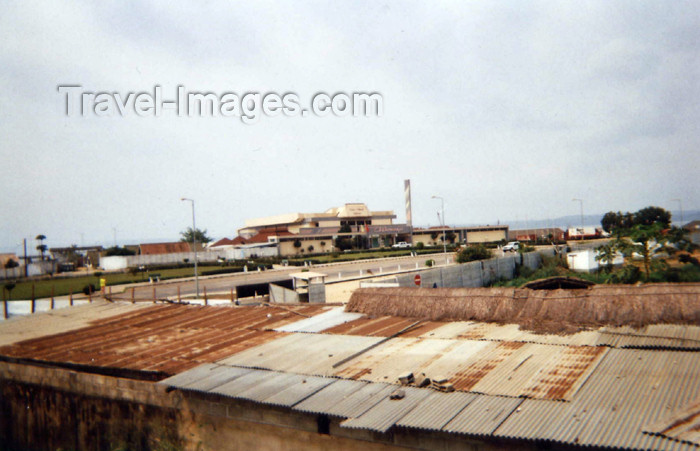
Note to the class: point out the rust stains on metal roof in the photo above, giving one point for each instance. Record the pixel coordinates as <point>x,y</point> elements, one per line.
<point>471,375</point>
<point>165,339</point>
<point>384,326</point>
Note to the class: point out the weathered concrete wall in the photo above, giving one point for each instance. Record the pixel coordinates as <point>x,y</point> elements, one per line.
<point>51,408</point>
<point>475,274</point>
<point>282,295</point>
<point>317,293</point>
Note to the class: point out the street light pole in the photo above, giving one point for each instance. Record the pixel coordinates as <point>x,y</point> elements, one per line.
<point>444,242</point>
<point>581,202</point>
<point>194,247</point>
<point>680,205</point>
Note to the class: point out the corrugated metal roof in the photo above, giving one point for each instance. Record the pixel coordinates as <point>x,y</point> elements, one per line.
<point>61,320</point>
<point>325,320</point>
<point>161,339</point>
<point>628,390</point>
<point>496,368</point>
<point>682,425</point>
<point>509,332</point>
<point>383,326</point>
<point>483,415</point>
<point>313,394</point>
<point>388,411</point>
<point>669,336</point>
<point>346,398</point>
<point>314,354</point>
<point>299,391</point>
<point>436,410</point>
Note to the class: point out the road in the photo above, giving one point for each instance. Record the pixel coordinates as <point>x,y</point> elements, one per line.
<point>336,272</point>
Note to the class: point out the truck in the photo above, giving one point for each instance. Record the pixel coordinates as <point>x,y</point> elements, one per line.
<point>401,245</point>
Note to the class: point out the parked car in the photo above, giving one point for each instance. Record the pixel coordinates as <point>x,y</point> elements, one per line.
<point>511,247</point>
<point>401,245</point>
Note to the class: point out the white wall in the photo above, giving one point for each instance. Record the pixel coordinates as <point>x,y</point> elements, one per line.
<point>584,261</point>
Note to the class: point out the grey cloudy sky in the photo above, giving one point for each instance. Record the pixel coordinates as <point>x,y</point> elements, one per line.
<point>505,109</point>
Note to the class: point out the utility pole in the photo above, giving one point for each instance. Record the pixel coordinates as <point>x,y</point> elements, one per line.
<point>444,242</point>
<point>581,203</point>
<point>680,205</point>
<point>194,247</point>
<point>26,265</point>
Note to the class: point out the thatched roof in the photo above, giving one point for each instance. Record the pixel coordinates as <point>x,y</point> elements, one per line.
<point>557,311</point>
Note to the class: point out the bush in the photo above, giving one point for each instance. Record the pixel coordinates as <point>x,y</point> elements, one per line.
<point>420,245</point>
<point>429,263</point>
<point>687,258</point>
<point>627,274</point>
<point>88,289</point>
<point>473,253</point>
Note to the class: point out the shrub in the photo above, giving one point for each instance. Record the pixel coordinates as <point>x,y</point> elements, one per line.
<point>627,274</point>
<point>88,289</point>
<point>420,245</point>
<point>473,253</point>
<point>687,258</point>
<point>429,263</point>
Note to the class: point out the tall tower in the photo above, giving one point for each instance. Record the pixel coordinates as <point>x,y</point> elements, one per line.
<point>407,196</point>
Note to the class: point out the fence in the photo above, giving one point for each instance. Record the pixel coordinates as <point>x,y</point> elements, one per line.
<point>122,262</point>
<point>38,268</point>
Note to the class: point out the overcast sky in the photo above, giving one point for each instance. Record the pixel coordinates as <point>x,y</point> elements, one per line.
<point>506,109</point>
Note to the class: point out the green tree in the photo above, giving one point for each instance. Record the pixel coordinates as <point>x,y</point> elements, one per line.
<point>607,253</point>
<point>343,243</point>
<point>116,250</point>
<point>645,240</point>
<point>644,233</point>
<point>345,228</point>
<point>450,237</point>
<point>297,245</point>
<point>9,287</point>
<point>652,215</point>
<point>41,247</point>
<point>199,235</point>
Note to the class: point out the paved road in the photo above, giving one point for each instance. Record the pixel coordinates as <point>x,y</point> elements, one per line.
<point>335,273</point>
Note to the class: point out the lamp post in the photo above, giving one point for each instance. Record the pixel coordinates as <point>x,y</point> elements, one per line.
<point>194,247</point>
<point>680,205</point>
<point>581,204</point>
<point>444,242</point>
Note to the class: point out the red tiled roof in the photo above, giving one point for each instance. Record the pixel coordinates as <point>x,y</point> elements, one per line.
<point>262,236</point>
<point>224,242</point>
<point>164,248</point>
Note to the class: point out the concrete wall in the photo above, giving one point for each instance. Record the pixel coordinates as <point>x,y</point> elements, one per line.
<point>287,246</point>
<point>485,236</point>
<point>38,268</point>
<point>426,239</point>
<point>123,262</point>
<point>474,274</point>
<point>45,408</point>
<point>282,295</point>
<point>317,293</point>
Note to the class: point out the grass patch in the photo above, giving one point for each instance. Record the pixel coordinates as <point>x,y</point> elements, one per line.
<point>66,285</point>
